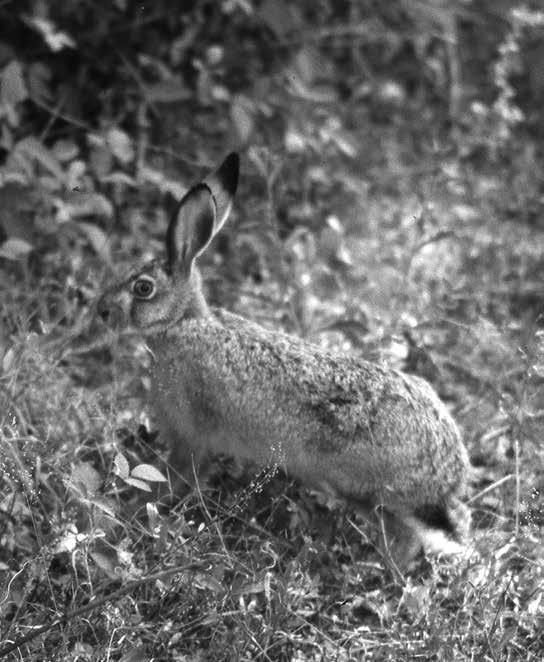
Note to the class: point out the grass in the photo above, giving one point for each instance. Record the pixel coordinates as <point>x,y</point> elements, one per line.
<point>254,567</point>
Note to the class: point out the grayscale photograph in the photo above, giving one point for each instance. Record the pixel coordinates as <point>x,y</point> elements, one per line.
<point>271,331</point>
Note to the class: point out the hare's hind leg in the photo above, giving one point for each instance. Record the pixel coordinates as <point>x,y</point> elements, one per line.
<point>399,542</point>
<point>436,530</point>
<point>443,529</point>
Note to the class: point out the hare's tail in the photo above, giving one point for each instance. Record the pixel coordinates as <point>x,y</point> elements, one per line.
<point>443,529</point>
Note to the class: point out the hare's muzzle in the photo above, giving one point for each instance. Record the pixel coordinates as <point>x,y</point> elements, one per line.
<point>110,313</point>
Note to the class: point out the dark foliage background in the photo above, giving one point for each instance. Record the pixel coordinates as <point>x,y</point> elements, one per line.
<point>391,205</point>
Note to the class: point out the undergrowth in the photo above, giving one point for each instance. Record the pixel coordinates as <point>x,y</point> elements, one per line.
<point>390,207</point>
<point>253,566</point>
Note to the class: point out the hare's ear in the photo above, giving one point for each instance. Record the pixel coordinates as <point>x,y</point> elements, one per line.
<point>191,228</point>
<point>201,213</point>
<point>223,183</point>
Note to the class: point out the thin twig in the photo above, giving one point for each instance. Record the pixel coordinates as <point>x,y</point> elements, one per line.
<point>57,114</point>
<point>489,488</point>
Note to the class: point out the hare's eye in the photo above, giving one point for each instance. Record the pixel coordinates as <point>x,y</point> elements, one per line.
<point>144,288</point>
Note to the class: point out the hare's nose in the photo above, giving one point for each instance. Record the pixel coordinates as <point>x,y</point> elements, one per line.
<point>103,310</point>
<point>111,313</point>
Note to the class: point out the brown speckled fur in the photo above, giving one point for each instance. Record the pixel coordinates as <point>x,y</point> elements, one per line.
<point>222,384</point>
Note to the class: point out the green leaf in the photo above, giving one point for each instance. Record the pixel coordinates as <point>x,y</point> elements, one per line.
<point>33,148</point>
<point>9,360</point>
<point>15,248</point>
<point>65,150</point>
<point>97,239</point>
<point>167,91</point>
<point>140,484</point>
<point>100,158</point>
<point>120,145</point>
<point>53,37</point>
<point>241,113</point>
<point>120,466</point>
<point>77,205</point>
<point>106,562</point>
<point>13,87</point>
<point>105,505</point>
<point>157,178</point>
<point>38,76</point>
<point>69,542</point>
<point>279,16</point>
<point>148,472</point>
<point>153,517</point>
<point>85,478</point>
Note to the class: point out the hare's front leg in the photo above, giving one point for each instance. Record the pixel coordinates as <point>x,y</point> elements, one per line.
<point>187,465</point>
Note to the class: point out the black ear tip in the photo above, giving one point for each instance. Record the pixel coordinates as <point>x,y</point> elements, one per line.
<point>232,161</point>
<point>229,171</point>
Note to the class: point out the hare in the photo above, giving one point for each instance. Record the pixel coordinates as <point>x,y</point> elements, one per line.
<point>378,438</point>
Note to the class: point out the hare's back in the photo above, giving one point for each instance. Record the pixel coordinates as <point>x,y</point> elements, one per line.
<point>260,383</point>
<point>229,386</point>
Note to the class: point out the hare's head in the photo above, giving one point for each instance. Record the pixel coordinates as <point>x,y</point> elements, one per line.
<point>160,293</point>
